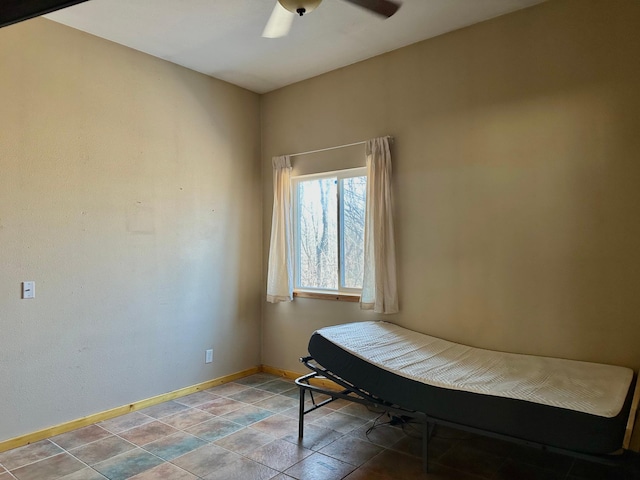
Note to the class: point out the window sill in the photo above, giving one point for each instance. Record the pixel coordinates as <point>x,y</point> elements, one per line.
<point>340,297</point>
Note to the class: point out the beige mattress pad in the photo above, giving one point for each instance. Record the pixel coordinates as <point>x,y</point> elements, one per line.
<point>591,388</point>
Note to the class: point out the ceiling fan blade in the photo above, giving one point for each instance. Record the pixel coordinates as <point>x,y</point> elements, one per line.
<point>14,11</point>
<point>279,22</point>
<point>386,8</point>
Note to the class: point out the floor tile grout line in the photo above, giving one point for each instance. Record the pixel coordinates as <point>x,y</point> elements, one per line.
<point>39,459</point>
<point>164,462</point>
<point>110,434</point>
<point>134,447</point>
<point>183,429</point>
<point>101,424</point>
<point>503,461</point>
<point>159,419</point>
<point>189,433</point>
<point>573,462</point>
<point>78,459</point>
<point>249,458</point>
<point>91,466</point>
<point>124,453</point>
<point>63,452</point>
<point>241,455</point>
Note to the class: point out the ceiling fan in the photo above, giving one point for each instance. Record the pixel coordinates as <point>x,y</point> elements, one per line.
<point>14,11</point>
<point>284,12</point>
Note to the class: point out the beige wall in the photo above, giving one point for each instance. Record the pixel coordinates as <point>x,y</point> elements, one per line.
<point>517,181</point>
<point>130,193</point>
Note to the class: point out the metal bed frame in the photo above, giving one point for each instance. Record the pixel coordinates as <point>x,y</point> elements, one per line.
<point>354,394</point>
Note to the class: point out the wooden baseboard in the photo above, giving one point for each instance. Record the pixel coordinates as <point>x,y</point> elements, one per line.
<point>293,375</point>
<point>116,412</point>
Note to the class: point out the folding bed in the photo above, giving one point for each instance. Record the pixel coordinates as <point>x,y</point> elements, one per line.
<point>580,408</point>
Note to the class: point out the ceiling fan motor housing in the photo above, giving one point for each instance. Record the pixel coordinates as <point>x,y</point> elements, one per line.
<point>300,6</point>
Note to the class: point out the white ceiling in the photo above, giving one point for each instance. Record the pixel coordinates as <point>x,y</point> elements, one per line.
<point>222,38</point>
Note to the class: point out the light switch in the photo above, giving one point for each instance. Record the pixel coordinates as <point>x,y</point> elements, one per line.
<point>28,289</point>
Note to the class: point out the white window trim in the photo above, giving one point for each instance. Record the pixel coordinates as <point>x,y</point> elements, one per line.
<point>338,174</point>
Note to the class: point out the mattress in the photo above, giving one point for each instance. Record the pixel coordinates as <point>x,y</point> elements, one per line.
<point>567,404</point>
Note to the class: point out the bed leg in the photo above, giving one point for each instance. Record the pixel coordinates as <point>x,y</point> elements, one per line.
<point>425,447</point>
<point>301,414</point>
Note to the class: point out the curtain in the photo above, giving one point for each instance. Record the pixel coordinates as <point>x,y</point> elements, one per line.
<point>280,270</point>
<point>379,286</point>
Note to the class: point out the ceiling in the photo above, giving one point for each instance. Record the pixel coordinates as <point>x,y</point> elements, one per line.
<point>222,38</point>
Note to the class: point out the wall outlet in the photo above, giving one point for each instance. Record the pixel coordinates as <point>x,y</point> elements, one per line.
<point>208,356</point>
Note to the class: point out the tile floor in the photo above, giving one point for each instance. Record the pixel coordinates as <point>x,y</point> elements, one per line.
<point>247,430</point>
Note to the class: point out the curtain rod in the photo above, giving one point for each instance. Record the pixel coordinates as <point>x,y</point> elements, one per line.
<point>336,147</point>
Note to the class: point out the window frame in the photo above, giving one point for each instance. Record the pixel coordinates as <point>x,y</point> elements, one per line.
<point>342,293</point>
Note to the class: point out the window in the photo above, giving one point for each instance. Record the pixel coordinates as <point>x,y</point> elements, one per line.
<point>328,218</point>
